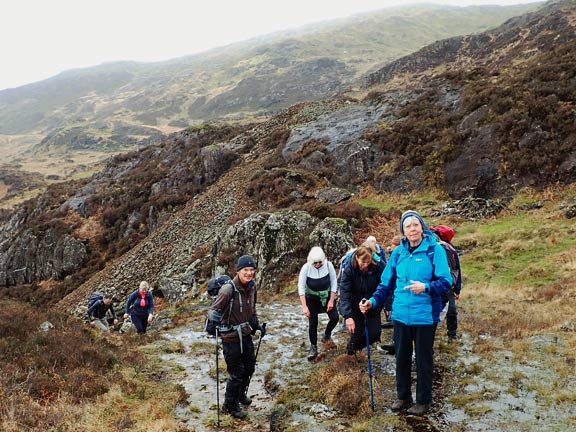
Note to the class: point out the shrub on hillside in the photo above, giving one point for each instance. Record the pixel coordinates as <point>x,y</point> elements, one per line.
<point>39,367</point>
<point>280,187</point>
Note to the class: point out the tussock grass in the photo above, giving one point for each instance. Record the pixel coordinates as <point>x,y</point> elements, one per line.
<point>118,410</point>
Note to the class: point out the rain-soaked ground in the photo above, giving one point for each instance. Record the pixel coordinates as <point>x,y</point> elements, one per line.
<point>282,354</point>
<point>499,395</point>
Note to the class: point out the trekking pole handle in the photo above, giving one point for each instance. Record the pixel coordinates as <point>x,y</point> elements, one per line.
<point>363,301</point>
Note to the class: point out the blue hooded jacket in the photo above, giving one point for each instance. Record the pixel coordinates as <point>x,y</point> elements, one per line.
<point>407,307</point>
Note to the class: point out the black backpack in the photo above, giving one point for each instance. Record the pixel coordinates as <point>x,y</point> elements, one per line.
<point>216,283</point>
<point>95,297</point>
<point>214,286</point>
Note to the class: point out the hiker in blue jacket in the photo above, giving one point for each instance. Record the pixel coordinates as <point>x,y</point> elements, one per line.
<point>418,274</point>
<point>359,278</point>
<point>140,307</point>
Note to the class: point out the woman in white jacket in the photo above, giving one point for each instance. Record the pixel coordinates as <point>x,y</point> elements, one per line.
<point>317,287</point>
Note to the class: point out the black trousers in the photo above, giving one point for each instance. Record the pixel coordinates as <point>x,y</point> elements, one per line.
<point>452,315</point>
<point>315,307</point>
<point>374,323</point>
<point>406,338</point>
<point>240,367</point>
<point>140,322</point>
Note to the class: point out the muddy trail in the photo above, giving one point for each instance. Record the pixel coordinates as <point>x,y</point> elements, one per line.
<point>282,363</point>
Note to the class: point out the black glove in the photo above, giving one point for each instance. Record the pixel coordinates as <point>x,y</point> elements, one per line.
<point>254,324</point>
<point>262,330</point>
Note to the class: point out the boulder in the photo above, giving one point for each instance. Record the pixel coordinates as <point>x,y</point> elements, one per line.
<point>332,195</point>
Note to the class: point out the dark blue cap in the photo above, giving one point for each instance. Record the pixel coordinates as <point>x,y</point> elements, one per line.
<point>245,261</point>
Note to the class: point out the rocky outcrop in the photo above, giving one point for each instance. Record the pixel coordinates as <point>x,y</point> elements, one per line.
<point>49,255</point>
<point>278,241</point>
<point>438,53</point>
<point>475,171</point>
<point>354,158</point>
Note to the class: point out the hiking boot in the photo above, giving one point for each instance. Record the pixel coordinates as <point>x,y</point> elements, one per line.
<point>326,338</point>
<point>234,410</point>
<point>401,404</point>
<point>418,409</point>
<point>390,349</point>
<point>312,353</point>
<point>245,399</point>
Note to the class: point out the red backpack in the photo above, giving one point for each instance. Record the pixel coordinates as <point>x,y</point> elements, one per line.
<point>444,235</point>
<point>445,232</point>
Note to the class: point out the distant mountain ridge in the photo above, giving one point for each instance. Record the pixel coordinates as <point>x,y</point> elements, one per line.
<point>247,80</point>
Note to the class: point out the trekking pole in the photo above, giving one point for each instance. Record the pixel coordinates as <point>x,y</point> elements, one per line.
<point>369,361</point>
<point>217,383</point>
<point>255,357</point>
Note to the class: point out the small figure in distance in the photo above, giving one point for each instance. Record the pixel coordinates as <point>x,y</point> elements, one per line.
<point>97,313</point>
<point>393,244</point>
<point>140,307</point>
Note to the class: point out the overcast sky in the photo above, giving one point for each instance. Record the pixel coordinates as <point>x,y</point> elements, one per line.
<point>40,38</point>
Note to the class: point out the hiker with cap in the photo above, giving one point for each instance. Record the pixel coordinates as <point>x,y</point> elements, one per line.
<point>317,290</point>
<point>237,321</point>
<point>358,280</point>
<point>98,310</point>
<point>418,275</point>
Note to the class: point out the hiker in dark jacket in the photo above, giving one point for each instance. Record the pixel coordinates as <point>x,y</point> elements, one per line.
<point>140,307</point>
<point>418,282</point>
<point>97,313</point>
<point>236,326</point>
<point>358,281</point>
<point>317,290</point>
<point>452,314</point>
